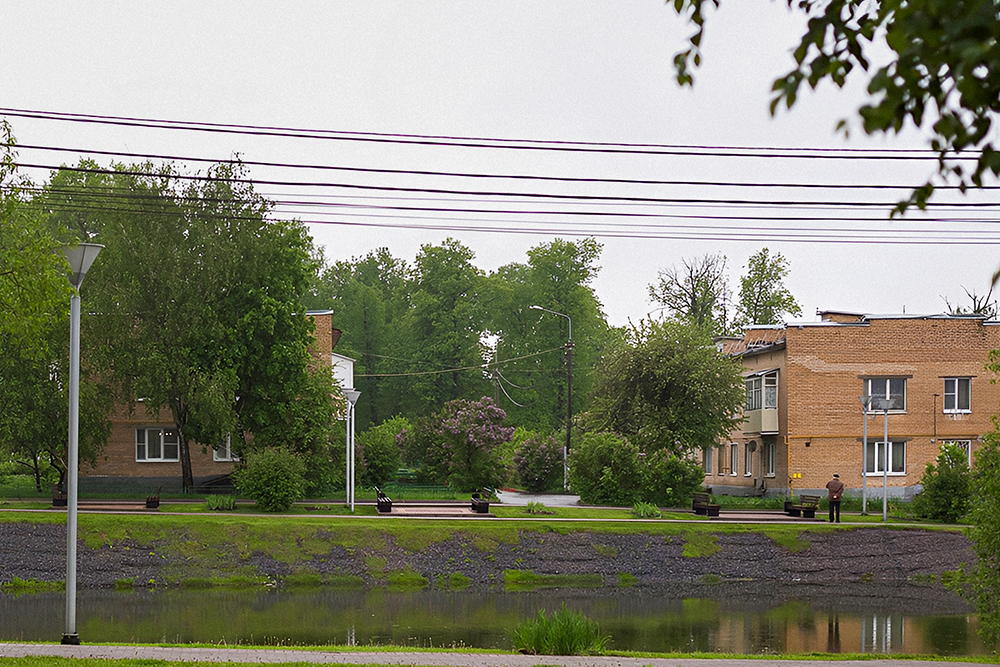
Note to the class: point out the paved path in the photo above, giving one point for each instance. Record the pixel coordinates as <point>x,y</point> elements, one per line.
<point>437,659</point>
<point>548,499</point>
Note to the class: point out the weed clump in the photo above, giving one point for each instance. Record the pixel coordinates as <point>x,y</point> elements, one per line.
<point>564,633</point>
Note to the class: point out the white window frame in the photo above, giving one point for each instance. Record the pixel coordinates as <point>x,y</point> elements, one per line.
<point>873,457</point>
<point>722,461</point>
<point>881,387</point>
<point>224,452</point>
<point>953,394</point>
<point>747,460</point>
<point>771,391</point>
<point>165,437</point>
<point>734,459</point>
<point>770,456</point>
<point>753,385</point>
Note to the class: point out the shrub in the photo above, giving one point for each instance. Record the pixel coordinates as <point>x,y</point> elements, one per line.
<point>273,477</point>
<point>947,486</point>
<point>538,462</point>
<point>379,452</point>
<point>646,511</point>
<point>669,480</point>
<point>565,633</point>
<point>221,503</point>
<point>460,444</point>
<point>605,470</point>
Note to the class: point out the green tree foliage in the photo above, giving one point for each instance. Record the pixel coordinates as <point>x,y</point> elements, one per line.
<point>942,74</point>
<point>200,302</point>
<point>764,299</point>
<point>605,470</point>
<point>273,477</point>
<point>459,445</point>
<point>371,298</point>
<point>669,479</point>
<point>448,321</point>
<point>946,485</point>
<point>33,284</point>
<point>984,585</point>
<point>556,276</point>
<point>539,463</point>
<point>667,387</point>
<point>696,293</point>
<point>379,451</point>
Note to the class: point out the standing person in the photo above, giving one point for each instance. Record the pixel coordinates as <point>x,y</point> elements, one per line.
<point>835,489</point>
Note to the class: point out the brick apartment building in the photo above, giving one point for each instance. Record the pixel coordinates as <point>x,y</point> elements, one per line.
<point>143,451</point>
<point>804,417</point>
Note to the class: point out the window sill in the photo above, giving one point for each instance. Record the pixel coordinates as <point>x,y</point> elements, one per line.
<point>157,460</point>
<point>770,475</point>
<point>891,474</point>
<point>957,412</point>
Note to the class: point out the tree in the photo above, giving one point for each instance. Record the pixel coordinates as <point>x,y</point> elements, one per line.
<point>200,302</point>
<point>764,299</point>
<point>979,305</point>
<point>946,486</point>
<point>538,461</point>
<point>556,276</point>
<point>379,452</point>
<point>667,387</point>
<point>695,293</point>
<point>984,585</point>
<point>943,71</point>
<point>605,470</point>
<point>459,445</point>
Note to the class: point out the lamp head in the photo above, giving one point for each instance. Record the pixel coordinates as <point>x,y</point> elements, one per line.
<point>80,257</point>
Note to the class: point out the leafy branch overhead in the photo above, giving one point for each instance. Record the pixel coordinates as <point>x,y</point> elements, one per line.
<point>943,71</point>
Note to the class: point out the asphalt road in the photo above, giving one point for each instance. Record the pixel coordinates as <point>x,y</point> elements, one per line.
<point>272,656</point>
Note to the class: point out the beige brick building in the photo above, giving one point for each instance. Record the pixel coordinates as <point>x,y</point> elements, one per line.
<point>804,416</point>
<point>143,450</point>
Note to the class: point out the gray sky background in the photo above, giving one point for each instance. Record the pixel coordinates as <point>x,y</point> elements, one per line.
<point>558,70</point>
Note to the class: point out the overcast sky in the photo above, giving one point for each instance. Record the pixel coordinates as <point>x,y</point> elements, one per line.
<point>547,71</point>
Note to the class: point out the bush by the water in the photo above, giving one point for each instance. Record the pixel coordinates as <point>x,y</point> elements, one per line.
<point>608,470</point>
<point>947,491</point>
<point>379,452</point>
<point>273,477</point>
<point>539,462</point>
<point>565,633</point>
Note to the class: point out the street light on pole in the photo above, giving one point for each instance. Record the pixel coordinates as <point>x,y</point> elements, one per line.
<point>866,402</point>
<point>352,396</point>
<point>569,392</point>
<point>884,404</point>
<point>80,258</point>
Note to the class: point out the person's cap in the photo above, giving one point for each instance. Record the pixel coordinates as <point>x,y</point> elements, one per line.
<point>836,475</point>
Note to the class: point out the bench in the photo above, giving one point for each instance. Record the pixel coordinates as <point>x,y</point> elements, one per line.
<point>383,503</point>
<point>58,496</point>
<point>153,500</point>
<point>702,505</point>
<point>806,507</point>
<point>480,505</point>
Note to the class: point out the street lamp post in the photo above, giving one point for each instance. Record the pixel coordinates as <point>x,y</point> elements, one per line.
<point>866,402</point>
<point>569,392</point>
<point>352,396</point>
<point>80,258</point>
<point>884,404</point>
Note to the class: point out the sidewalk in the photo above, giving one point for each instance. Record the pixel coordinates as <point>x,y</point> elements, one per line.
<point>272,656</point>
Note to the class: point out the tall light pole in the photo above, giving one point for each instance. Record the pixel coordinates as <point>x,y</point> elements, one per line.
<point>569,392</point>
<point>866,402</point>
<point>884,404</point>
<point>352,396</point>
<point>80,258</point>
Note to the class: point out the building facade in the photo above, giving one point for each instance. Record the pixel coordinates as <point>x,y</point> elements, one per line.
<point>142,453</point>
<point>924,379</point>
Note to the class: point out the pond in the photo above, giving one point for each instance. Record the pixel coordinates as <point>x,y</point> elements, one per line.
<point>740,618</point>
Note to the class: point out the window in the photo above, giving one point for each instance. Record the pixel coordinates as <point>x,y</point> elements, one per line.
<point>753,393</point>
<point>734,459</point>
<point>957,394</point>
<point>706,459</point>
<point>747,460</point>
<point>771,391</point>
<point>224,452</point>
<point>770,451</point>
<point>966,446</point>
<point>893,389</point>
<point>875,455</point>
<point>722,460</point>
<point>157,444</point>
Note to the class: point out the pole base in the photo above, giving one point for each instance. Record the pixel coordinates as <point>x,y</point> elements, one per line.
<point>72,639</point>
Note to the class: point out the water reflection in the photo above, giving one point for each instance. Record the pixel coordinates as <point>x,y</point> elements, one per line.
<point>641,619</point>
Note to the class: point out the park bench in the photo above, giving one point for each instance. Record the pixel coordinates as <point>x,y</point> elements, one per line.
<point>383,503</point>
<point>153,500</point>
<point>806,507</point>
<point>702,504</point>
<point>58,496</point>
<point>481,505</point>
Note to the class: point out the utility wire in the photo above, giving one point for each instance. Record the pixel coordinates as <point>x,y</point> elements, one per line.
<point>481,366</point>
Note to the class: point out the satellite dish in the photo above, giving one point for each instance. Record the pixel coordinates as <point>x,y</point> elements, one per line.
<point>752,445</point>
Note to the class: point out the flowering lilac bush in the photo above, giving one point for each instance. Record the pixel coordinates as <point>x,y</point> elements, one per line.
<point>460,444</point>
<point>538,462</point>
